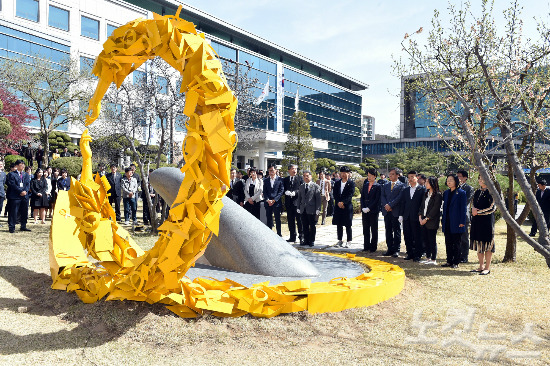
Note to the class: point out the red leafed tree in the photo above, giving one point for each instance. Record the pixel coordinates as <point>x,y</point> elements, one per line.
<point>18,115</point>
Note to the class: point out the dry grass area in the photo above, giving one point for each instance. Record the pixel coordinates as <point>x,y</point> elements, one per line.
<point>46,327</point>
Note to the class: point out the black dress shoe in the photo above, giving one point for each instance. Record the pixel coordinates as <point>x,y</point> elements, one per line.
<point>12,231</point>
<point>387,254</point>
<point>312,244</point>
<point>303,244</point>
<point>372,250</point>
<point>395,255</point>
<point>416,260</point>
<point>408,258</point>
<point>25,229</point>
<point>446,265</point>
<point>291,240</point>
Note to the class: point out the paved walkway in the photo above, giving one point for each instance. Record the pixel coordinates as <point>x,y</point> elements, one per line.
<point>326,236</point>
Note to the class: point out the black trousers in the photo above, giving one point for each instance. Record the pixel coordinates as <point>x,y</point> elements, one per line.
<point>269,212</point>
<point>253,209</point>
<point>413,238</point>
<point>294,219</point>
<point>308,228</point>
<point>452,246</point>
<point>340,232</point>
<point>370,231</point>
<point>534,226</point>
<point>116,201</point>
<point>18,211</point>
<point>430,242</point>
<point>393,233</point>
<point>465,242</point>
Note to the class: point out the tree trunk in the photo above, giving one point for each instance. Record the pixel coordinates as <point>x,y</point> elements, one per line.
<point>543,245</point>
<point>511,238</point>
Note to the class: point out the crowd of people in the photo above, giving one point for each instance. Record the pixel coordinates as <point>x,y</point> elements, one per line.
<point>414,206</point>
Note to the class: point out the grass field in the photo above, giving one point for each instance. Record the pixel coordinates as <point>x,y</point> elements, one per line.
<point>46,327</point>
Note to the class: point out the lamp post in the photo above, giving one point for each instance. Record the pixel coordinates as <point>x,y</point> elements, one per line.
<point>387,168</point>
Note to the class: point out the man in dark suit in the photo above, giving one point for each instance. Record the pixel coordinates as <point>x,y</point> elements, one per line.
<point>465,238</point>
<point>390,200</point>
<point>411,199</point>
<point>343,209</point>
<point>370,205</point>
<point>39,156</point>
<point>543,198</point>
<point>114,178</point>
<point>28,153</point>
<point>382,179</point>
<point>273,192</point>
<point>18,184</point>
<point>309,207</point>
<point>65,153</point>
<point>291,185</point>
<point>238,189</point>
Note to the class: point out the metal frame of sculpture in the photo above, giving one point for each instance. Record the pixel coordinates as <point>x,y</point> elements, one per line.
<point>84,222</point>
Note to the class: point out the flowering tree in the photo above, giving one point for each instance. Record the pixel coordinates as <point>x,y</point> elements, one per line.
<point>17,115</point>
<point>488,90</point>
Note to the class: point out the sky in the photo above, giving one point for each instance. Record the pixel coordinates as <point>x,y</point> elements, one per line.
<point>355,37</point>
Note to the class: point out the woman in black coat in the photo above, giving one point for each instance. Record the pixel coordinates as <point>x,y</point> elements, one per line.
<point>429,214</point>
<point>482,230</point>
<point>343,207</point>
<point>39,198</point>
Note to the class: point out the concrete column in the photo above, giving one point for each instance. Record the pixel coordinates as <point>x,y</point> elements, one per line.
<point>261,156</point>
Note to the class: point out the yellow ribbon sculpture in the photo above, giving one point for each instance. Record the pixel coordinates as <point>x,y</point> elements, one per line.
<point>84,222</point>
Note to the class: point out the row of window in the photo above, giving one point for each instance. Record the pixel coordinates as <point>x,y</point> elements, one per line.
<point>59,18</point>
<point>17,45</point>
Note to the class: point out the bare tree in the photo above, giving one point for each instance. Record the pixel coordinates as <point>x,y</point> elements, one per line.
<point>51,90</point>
<point>489,91</point>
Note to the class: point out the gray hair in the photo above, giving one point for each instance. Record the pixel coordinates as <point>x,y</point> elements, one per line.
<point>292,166</point>
<point>306,172</point>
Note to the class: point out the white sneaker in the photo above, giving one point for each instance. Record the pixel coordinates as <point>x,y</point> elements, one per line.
<point>126,222</point>
<point>348,244</point>
<point>433,262</point>
<point>340,244</point>
<point>425,261</point>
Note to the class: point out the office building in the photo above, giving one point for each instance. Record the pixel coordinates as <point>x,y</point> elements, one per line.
<point>57,29</point>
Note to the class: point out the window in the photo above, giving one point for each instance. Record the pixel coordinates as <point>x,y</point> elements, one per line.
<point>139,77</point>
<point>27,9</point>
<point>89,28</point>
<point>163,85</point>
<point>58,18</point>
<point>110,29</point>
<point>86,65</point>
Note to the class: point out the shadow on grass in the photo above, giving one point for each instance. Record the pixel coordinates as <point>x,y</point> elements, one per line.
<point>97,323</point>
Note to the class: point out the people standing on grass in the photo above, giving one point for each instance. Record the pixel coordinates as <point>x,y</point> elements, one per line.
<point>39,198</point>
<point>115,192</point>
<point>291,184</point>
<point>370,207</point>
<point>465,239</point>
<point>18,188</point>
<point>343,208</point>
<point>273,190</point>
<point>3,177</point>
<point>47,177</point>
<point>308,206</point>
<point>390,201</point>
<point>482,230</point>
<point>411,199</point>
<point>53,196</point>
<point>129,186</point>
<point>253,189</point>
<point>543,198</point>
<point>428,215</point>
<point>64,182</point>
<point>454,220</point>
<point>326,188</point>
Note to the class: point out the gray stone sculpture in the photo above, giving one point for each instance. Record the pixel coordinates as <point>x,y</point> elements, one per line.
<point>244,243</point>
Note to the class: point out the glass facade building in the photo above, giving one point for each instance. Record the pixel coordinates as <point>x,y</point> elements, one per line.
<point>78,29</point>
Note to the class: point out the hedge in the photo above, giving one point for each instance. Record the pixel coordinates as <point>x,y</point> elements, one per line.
<point>9,159</point>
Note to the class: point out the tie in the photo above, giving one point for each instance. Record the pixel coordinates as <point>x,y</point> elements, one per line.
<point>307,185</point>
<point>291,180</point>
<point>392,186</point>
<point>231,185</point>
